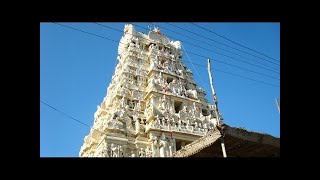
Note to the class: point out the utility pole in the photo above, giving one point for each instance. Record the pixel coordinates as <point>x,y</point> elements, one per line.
<point>216,110</point>
<point>278,105</point>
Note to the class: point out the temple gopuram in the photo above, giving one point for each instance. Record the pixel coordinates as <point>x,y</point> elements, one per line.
<point>154,108</point>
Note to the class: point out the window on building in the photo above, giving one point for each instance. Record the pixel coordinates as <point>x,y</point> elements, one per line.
<point>132,122</point>
<point>132,104</point>
<point>146,47</point>
<point>162,61</point>
<point>205,112</point>
<point>178,145</point>
<point>169,80</point>
<point>177,106</point>
<point>135,79</point>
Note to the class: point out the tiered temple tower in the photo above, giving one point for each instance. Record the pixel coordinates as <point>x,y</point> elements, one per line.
<point>153,105</point>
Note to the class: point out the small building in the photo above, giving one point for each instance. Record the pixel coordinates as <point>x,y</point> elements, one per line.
<point>238,142</point>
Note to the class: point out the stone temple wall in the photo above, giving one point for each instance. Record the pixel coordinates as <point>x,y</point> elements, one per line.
<point>153,106</point>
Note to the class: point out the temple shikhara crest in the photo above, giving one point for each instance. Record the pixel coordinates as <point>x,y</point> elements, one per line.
<point>153,105</point>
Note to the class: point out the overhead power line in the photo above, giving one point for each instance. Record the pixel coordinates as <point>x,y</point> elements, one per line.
<point>64,113</point>
<point>223,44</point>
<point>233,65</point>
<point>234,74</point>
<point>119,42</point>
<point>50,106</point>
<point>86,32</point>
<point>235,42</point>
<point>200,55</point>
<point>204,85</point>
<point>210,45</point>
<point>186,42</point>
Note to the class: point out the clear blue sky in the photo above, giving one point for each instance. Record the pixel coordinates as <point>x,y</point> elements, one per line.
<point>76,69</point>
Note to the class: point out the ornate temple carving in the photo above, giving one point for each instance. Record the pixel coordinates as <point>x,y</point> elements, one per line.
<point>153,106</point>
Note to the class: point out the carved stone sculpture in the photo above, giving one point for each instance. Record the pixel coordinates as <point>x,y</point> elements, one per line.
<point>137,123</point>
<point>132,154</point>
<point>142,153</point>
<point>114,150</point>
<point>123,102</point>
<point>105,152</point>
<point>163,146</point>
<point>151,92</point>
<point>138,106</point>
<point>148,152</point>
<point>192,94</point>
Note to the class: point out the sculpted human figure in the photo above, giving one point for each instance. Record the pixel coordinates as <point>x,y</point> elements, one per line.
<point>106,151</point>
<point>184,109</point>
<point>171,146</point>
<point>175,87</point>
<point>141,152</point>
<point>137,123</point>
<point>157,121</point>
<point>151,46</point>
<point>128,123</point>
<point>122,113</point>
<point>154,147</point>
<point>179,124</point>
<point>205,127</point>
<point>163,102</point>
<point>166,66</point>
<point>148,152</point>
<point>195,125</point>
<point>132,154</point>
<point>123,102</point>
<point>178,71</point>
<point>121,154</point>
<point>163,145</point>
<point>166,88</point>
<point>188,123</point>
<point>183,91</point>
<point>159,65</point>
<point>171,109</point>
<point>163,121</point>
<point>202,117</point>
<point>138,106</point>
<point>200,125</point>
<point>113,150</point>
<point>195,108</point>
<point>156,79</point>
<point>155,63</point>
<point>214,122</point>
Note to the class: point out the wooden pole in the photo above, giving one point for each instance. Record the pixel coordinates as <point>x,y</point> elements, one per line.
<point>278,105</point>
<point>216,109</point>
<point>223,148</point>
<point>213,94</point>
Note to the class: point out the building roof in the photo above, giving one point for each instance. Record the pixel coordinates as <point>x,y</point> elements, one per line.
<point>238,143</point>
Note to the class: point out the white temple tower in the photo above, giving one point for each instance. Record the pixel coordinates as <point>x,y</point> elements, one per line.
<point>153,106</point>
